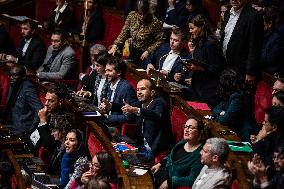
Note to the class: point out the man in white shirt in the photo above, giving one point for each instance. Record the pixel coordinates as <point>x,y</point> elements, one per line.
<point>241,37</point>
<point>213,174</point>
<point>31,50</point>
<point>119,93</point>
<point>168,58</point>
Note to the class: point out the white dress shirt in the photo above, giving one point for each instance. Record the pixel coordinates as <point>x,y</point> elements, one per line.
<point>169,61</point>
<point>58,11</point>
<point>113,88</point>
<point>234,16</point>
<point>24,50</point>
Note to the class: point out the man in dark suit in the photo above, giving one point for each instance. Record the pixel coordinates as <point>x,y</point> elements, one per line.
<point>31,51</point>
<point>119,92</point>
<point>242,35</point>
<point>62,17</point>
<point>153,119</point>
<point>168,58</point>
<point>23,103</point>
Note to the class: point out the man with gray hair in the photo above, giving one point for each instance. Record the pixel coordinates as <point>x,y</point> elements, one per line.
<point>213,174</point>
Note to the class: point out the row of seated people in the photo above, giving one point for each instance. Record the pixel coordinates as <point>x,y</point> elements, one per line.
<point>55,118</point>
<point>127,108</point>
<point>58,62</point>
<point>215,64</point>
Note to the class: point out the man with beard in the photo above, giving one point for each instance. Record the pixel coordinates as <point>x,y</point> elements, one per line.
<point>119,92</point>
<point>153,120</point>
<point>23,103</point>
<point>32,49</point>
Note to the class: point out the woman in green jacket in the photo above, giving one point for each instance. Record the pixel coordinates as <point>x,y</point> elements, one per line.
<point>182,165</point>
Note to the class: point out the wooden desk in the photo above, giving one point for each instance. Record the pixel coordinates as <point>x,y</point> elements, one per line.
<point>126,181</point>
<point>17,169</point>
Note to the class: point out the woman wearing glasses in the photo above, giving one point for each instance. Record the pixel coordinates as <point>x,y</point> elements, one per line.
<point>182,165</point>
<point>102,166</point>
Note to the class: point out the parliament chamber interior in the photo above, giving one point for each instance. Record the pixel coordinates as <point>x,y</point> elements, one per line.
<point>141,94</point>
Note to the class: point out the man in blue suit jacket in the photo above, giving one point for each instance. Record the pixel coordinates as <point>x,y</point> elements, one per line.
<point>23,103</point>
<point>168,58</point>
<point>119,92</point>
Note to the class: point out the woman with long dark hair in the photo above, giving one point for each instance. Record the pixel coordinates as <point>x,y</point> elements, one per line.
<point>230,110</point>
<point>74,159</point>
<point>93,27</point>
<point>206,64</point>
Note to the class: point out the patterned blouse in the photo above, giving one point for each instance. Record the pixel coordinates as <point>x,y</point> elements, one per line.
<point>145,36</point>
<point>79,169</point>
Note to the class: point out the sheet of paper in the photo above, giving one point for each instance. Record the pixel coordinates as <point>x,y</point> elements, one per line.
<point>140,171</point>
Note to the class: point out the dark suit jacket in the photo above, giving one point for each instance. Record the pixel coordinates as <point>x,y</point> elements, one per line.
<point>34,55</point>
<point>272,51</point>
<point>6,43</point>
<point>154,124</point>
<point>89,80</point>
<point>179,15</point>
<point>96,27</point>
<point>65,21</point>
<point>22,116</point>
<point>244,47</point>
<point>204,83</point>
<point>177,67</point>
<point>123,92</point>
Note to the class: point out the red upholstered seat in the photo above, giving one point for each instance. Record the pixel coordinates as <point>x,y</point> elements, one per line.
<point>4,89</point>
<point>262,100</point>
<point>120,4</point>
<point>44,155</point>
<point>114,24</point>
<point>133,82</point>
<point>15,33</point>
<point>128,130</point>
<point>44,8</point>
<point>94,145</point>
<point>178,119</point>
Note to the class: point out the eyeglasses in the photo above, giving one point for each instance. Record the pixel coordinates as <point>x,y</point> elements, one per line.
<point>189,127</point>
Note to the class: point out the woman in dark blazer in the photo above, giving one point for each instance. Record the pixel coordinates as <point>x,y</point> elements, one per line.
<point>93,25</point>
<point>207,62</point>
